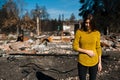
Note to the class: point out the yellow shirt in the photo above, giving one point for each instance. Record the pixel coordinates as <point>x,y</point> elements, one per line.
<point>88,41</point>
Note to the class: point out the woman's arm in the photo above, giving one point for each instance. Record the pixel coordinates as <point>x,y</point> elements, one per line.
<point>99,65</point>
<point>88,52</point>
<point>99,51</point>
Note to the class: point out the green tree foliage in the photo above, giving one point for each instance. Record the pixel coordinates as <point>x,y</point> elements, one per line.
<point>105,12</point>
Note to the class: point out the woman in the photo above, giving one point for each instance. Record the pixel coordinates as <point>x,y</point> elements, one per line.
<point>87,43</point>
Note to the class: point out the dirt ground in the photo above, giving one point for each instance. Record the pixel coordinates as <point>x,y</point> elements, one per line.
<point>54,67</point>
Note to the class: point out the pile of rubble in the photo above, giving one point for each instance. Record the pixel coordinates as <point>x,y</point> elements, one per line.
<point>30,46</point>
<point>110,42</point>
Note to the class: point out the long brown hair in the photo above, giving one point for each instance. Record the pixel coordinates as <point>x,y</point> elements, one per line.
<point>92,23</point>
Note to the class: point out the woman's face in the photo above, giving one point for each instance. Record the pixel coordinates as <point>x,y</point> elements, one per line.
<point>87,24</point>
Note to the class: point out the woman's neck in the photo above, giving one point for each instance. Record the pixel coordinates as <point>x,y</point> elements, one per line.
<point>89,30</point>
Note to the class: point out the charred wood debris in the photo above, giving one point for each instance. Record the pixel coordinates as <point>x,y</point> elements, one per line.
<point>10,45</point>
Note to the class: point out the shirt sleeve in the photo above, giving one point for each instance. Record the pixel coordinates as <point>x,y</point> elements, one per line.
<point>76,41</point>
<point>98,46</point>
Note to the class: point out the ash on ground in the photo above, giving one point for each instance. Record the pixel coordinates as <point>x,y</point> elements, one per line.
<point>54,67</point>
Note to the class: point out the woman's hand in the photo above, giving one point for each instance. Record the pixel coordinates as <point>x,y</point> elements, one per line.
<point>99,67</point>
<point>90,53</point>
